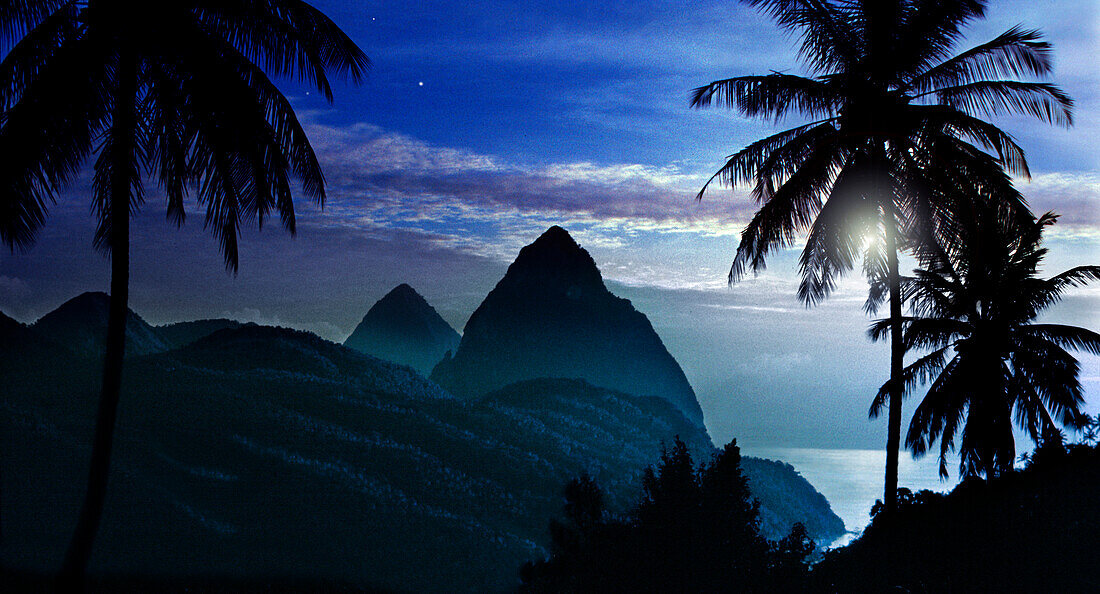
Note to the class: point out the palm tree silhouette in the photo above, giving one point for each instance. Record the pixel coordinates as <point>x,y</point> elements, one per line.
<point>1091,430</point>
<point>989,362</point>
<point>889,103</point>
<point>174,90</point>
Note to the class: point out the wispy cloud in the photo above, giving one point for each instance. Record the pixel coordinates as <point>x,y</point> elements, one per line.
<point>487,205</point>
<point>490,206</point>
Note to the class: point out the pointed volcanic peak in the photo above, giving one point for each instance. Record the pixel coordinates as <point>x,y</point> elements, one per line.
<point>81,325</point>
<point>402,327</point>
<point>552,317</point>
<point>556,262</point>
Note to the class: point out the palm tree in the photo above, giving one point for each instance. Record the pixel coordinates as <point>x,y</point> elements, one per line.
<point>888,103</point>
<point>177,91</point>
<point>990,363</point>
<point>1091,429</point>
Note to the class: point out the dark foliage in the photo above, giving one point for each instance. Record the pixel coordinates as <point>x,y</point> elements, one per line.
<point>892,132</point>
<point>1032,530</point>
<point>36,583</point>
<point>695,529</point>
<point>988,361</point>
<point>259,453</point>
<point>177,91</point>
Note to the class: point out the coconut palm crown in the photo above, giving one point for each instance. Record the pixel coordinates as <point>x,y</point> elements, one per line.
<point>174,91</point>
<point>189,81</point>
<point>888,102</point>
<point>990,363</point>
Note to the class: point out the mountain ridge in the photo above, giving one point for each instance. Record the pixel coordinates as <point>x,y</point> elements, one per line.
<point>551,315</point>
<point>258,450</point>
<point>403,327</point>
<point>81,324</point>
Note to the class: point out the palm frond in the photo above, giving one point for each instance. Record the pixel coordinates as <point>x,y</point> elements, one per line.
<point>921,371</point>
<point>1072,337</point>
<point>1053,374</point>
<point>285,38</point>
<point>924,333</point>
<point>987,135</point>
<point>1043,101</point>
<point>168,149</point>
<point>274,107</point>
<point>19,17</point>
<point>828,40</point>
<point>837,233</point>
<point>772,96</point>
<point>47,135</point>
<point>929,30</point>
<point>1017,52</point>
<point>1075,277</point>
<point>743,166</point>
<point>1031,414</point>
<point>25,59</point>
<point>939,413</point>
<point>788,211</point>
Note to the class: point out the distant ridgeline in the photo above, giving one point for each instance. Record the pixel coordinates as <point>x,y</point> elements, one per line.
<point>252,451</point>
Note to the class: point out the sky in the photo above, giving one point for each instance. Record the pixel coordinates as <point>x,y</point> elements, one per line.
<point>481,124</point>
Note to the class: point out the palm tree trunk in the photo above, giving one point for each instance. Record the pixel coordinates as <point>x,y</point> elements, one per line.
<point>123,126</point>
<point>897,354</point>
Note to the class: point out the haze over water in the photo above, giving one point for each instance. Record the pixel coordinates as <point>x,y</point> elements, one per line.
<point>851,479</point>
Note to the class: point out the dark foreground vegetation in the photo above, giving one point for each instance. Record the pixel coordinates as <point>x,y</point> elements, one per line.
<point>1031,530</point>
<point>28,583</point>
<point>695,530</point>
<point>255,452</point>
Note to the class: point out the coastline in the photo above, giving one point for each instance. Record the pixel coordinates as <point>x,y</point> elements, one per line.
<point>851,479</point>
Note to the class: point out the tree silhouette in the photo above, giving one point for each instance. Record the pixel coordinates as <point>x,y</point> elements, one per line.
<point>695,529</point>
<point>990,363</point>
<point>174,90</point>
<point>1029,530</point>
<point>889,104</point>
<point>1090,429</point>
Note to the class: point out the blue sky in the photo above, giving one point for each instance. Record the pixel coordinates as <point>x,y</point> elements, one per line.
<point>483,123</point>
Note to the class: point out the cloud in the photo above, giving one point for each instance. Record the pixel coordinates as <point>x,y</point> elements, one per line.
<point>1074,196</point>
<point>751,308</point>
<point>489,206</point>
<point>485,204</point>
<point>15,293</point>
<point>13,288</point>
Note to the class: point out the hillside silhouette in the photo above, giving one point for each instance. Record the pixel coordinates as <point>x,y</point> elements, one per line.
<point>81,325</point>
<point>261,451</point>
<point>1030,530</point>
<point>552,316</point>
<point>402,327</point>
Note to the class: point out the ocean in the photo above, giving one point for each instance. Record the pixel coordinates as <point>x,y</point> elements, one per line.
<point>853,479</point>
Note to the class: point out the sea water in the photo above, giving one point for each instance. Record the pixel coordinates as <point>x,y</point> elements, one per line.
<point>853,479</point>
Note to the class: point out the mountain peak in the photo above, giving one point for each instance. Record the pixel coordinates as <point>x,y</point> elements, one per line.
<point>81,324</point>
<point>557,237</point>
<point>551,316</point>
<point>403,327</point>
<point>88,301</point>
<point>404,292</point>
<point>556,262</point>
